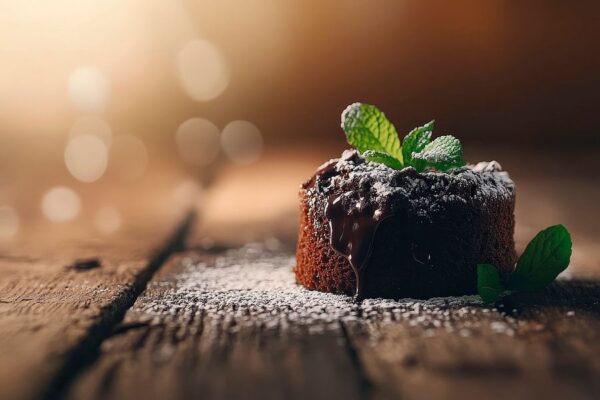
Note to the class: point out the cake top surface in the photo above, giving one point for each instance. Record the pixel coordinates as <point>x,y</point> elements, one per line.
<point>376,185</point>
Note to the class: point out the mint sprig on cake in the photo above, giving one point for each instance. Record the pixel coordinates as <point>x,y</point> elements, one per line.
<point>372,134</point>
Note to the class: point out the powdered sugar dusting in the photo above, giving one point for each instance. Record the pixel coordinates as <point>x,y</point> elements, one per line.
<point>258,286</point>
<point>379,187</point>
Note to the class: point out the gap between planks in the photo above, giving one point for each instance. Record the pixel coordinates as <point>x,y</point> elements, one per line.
<point>86,351</point>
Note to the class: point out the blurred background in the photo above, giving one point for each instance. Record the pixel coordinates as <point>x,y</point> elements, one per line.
<point>113,105</point>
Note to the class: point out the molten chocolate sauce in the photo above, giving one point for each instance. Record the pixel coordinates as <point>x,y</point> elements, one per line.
<point>352,234</point>
<point>352,229</point>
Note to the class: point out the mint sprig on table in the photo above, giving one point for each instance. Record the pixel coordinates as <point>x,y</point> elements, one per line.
<point>376,138</point>
<point>546,256</point>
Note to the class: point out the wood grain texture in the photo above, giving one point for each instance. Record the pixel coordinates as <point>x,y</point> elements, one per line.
<point>527,349</point>
<point>52,313</point>
<point>233,324</point>
<point>170,346</point>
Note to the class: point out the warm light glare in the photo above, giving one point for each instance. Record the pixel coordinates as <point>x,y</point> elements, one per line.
<point>202,70</point>
<point>242,142</point>
<point>198,141</point>
<point>128,157</point>
<point>86,157</point>
<point>107,220</point>
<point>89,89</point>
<point>92,125</point>
<point>9,222</point>
<point>61,204</point>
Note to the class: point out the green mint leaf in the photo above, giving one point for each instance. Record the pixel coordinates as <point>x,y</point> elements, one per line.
<point>416,141</point>
<point>546,256</point>
<point>367,128</point>
<point>382,158</point>
<point>489,283</point>
<point>443,154</point>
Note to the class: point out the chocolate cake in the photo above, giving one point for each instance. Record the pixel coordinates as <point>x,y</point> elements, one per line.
<point>373,231</point>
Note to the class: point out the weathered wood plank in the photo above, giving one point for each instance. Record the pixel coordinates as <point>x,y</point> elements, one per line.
<point>234,324</point>
<point>52,313</point>
<point>195,333</point>
<point>528,348</point>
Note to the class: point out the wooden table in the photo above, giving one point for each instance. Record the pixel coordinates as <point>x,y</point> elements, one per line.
<point>200,302</point>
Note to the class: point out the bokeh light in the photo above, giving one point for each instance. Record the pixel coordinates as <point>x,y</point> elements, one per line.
<point>128,157</point>
<point>61,204</point>
<point>86,157</point>
<point>202,70</point>
<point>9,222</point>
<point>89,89</point>
<point>92,125</point>
<point>107,220</point>
<point>242,142</point>
<point>198,141</point>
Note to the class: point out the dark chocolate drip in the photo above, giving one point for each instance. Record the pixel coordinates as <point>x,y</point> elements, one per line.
<point>352,232</point>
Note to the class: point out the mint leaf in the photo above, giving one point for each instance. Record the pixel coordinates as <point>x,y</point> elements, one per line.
<point>444,153</point>
<point>546,256</point>
<point>382,158</point>
<point>489,283</point>
<point>367,128</point>
<point>415,142</point>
